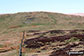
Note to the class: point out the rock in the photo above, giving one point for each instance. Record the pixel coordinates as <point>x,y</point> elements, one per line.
<point>35,55</point>
<point>45,48</point>
<point>54,48</point>
<point>38,51</point>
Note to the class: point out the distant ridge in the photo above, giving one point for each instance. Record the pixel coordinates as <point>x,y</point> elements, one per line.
<point>77,14</point>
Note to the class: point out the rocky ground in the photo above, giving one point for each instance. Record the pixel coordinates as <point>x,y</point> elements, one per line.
<point>59,42</point>
<point>48,43</point>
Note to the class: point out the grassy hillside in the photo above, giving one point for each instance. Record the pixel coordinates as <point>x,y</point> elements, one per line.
<point>50,25</point>
<point>40,21</point>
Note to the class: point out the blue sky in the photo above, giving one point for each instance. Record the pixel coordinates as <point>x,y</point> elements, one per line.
<point>61,6</point>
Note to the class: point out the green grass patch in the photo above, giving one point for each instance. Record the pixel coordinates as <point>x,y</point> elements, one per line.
<point>52,17</point>
<point>1,19</point>
<point>1,45</point>
<point>72,40</point>
<point>40,24</point>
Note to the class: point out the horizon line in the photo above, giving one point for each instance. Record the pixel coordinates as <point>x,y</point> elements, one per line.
<point>38,11</point>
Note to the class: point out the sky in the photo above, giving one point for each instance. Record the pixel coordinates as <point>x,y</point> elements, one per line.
<point>60,6</point>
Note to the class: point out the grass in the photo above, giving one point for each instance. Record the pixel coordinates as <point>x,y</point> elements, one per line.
<point>41,19</point>
<point>54,19</point>
<point>73,39</point>
<point>30,50</point>
<point>1,19</point>
<point>1,46</point>
<point>45,21</point>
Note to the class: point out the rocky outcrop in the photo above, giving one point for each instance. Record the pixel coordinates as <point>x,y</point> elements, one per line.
<point>41,41</point>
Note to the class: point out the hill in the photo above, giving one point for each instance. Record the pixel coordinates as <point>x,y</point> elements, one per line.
<point>45,30</point>
<point>40,21</point>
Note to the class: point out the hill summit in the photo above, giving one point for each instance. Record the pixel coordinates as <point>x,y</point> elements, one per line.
<point>40,20</point>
